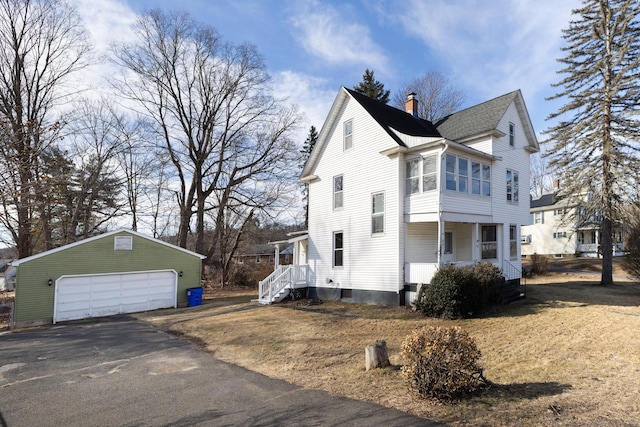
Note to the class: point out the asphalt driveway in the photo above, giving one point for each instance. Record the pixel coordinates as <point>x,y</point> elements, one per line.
<point>121,372</point>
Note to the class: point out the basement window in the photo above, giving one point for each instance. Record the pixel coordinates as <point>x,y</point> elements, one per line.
<point>123,243</point>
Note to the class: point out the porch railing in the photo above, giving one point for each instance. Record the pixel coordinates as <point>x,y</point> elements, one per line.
<point>284,277</point>
<point>417,272</point>
<point>511,271</point>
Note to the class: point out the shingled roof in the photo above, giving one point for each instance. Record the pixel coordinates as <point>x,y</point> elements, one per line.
<point>393,118</point>
<point>475,120</point>
<point>544,200</point>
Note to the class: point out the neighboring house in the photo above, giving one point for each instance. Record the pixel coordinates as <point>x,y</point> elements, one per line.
<point>263,254</point>
<point>117,272</point>
<point>393,197</point>
<point>559,230</point>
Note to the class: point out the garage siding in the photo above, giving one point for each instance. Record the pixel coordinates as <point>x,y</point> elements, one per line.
<point>35,299</point>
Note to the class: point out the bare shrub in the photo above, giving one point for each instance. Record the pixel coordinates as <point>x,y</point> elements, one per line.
<point>442,363</point>
<point>539,264</point>
<point>632,248</point>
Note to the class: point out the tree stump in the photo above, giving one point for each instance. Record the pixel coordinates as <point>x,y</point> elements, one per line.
<point>376,355</point>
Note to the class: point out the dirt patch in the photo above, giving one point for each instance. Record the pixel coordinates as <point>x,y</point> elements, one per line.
<point>567,354</point>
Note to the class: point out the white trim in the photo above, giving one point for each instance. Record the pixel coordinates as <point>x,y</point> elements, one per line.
<point>101,236</point>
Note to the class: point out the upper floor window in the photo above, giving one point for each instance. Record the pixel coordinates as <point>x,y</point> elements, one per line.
<point>512,186</point>
<point>489,242</point>
<point>337,192</point>
<point>338,249</point>
<point>513,241</point>
<point>348,135</point>
<point>377,213</point>
<point>429,174</point>
<point>537,218</point>
<point>457,176</point>
<point>512,134</point>
<point>413,176</point>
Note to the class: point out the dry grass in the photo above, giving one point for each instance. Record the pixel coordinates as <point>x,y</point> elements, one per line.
<point>568,354</point>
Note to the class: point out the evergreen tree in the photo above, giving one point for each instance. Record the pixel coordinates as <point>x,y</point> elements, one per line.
<point>372,88</point>
<point>594,144</point>
<point>307,148</point>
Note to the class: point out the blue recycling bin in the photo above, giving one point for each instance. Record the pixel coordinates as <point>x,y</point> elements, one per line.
<point>195,296</point>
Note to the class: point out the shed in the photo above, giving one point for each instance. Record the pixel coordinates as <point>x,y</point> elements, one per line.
<point>117,272</point>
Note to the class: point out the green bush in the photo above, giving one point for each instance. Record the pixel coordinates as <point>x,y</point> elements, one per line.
<point>461,291</point>
<point>442,363</point>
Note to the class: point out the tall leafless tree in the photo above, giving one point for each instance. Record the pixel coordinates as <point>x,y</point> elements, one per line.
<point>42,44</point>
<point>437,98</point>
<point>226,136</point>
<point>595,142</point>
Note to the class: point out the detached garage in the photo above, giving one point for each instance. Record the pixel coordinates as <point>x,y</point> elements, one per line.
<point>114,273</point>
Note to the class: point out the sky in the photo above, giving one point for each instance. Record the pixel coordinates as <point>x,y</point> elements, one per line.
<point>312,47</point>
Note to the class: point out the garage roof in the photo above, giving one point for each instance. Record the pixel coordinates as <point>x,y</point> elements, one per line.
<point>102,236</point>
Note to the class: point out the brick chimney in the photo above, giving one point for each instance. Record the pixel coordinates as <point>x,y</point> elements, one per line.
<point>411,105</point>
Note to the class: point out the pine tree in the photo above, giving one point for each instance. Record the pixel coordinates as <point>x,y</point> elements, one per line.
<point>307,148</point>
<point>594,143</point>
<point>372,88</point>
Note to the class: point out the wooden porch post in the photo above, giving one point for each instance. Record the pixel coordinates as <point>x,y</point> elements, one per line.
<point>276,261</point>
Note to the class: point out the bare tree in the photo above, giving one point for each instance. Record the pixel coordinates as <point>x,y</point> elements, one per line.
<point>436,97</point>
<point>542,180</point>
<point>211,106</point>
<point>595,141</point>
<point>42,44</point>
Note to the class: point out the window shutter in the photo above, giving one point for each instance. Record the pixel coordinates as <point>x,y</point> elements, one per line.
<point>542,217</point>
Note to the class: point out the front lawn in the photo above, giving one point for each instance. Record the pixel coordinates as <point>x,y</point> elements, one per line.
<point>568,354</point>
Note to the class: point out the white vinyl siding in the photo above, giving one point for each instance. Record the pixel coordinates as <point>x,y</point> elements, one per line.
<point>364,172</point>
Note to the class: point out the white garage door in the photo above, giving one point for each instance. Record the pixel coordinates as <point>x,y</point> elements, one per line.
<point>83,296</point>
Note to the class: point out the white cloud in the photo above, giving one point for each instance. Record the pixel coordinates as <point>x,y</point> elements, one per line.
<point>325,32</point>
<point>491,48</point>
<point>107,21</point>
<point>309,94</point>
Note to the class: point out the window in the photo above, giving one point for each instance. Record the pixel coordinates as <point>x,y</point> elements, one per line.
<point>513,241</point>
<point>512,186</point>
<point>538,217</point>
<point>123,243</point>
<point>413,176</point>
<point>338,198</point>
<point>463,174</point>
<point>348,135</point>
<point>429,174</point>
<point>377,213</point>
<point>450,171</point>
<point>557,212</point>
<point>512,134</point>
<point>489,242</point>
<point>338,249</point>
<point>448,242</point>
<point>559,234</point>
<point>480,179</point>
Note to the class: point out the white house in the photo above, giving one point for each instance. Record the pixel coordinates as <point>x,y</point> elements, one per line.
<point>393,197</point>
<point>559,229</point>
